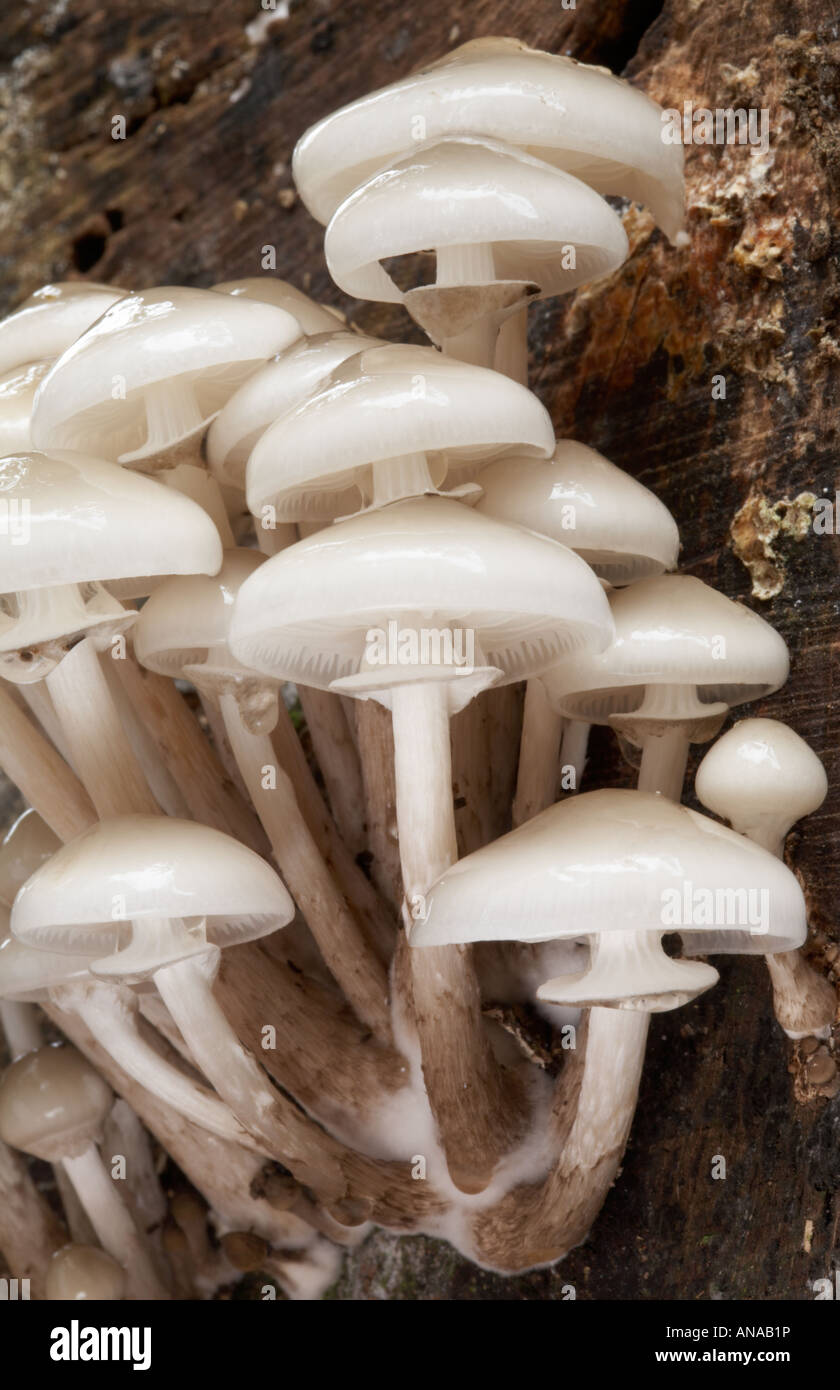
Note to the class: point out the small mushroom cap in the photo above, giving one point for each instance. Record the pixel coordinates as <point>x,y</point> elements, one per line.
<point>676,631</point>
<point>52,318</point>
<point>268,289</point>
<point>89,521</point>
<point>462,192</point>
<point>579,498</point>
<point>274,389</point>
<point>307,613</point>
<point>17,397</point>
<point>761,770</point>
<point>84,1271</point>
<point>206,342</point>
<point>576,117</point>
<point>53,1103</point>
<point>609,861</point>
<point>26,844</point>
<point>186,622</point>
<point>390,403</point>
<point>131,868</point>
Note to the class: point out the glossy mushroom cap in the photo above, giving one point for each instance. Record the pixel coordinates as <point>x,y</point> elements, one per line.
<point>84,1272</point>
<point>579,498</point>
<point>762,778</point>
<point>26,845</point>
<point>464,192</point>
<point>53,1104</point>
<point>268,289</point>
<point>387,406</point>
<point>576,117</point>
<point>274,389</point>
<point>427,564</point>
<point>27,975</point>
<point>680,648</point>
<point>621,868</point>
<point>126,876</point>
<point>17,398</point>
<point>154,370</point>
<point>52,318</point>
<point>87,522</point>
<point>183,631</point>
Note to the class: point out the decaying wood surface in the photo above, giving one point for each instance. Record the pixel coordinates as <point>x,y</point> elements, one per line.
<point>214,97</point>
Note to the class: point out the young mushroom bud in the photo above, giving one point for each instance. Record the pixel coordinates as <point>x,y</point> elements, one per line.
<point>763,778</point>
<point>682,656</point>
<point>84,1272</point>
<point>53,1105</point>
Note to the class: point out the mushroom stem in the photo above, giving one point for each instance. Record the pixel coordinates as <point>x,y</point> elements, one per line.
<point>37,698</point>
<point>805,1004</point>
<point>98,743</point>
<point>340,856</point>
<point>197,770</point>
<point>338,760</point>
<point>110,1014</point>
<point>21,1027</point>
<point>375,735</point>
<point>574,747</point>
<point>349,957</point>
<point>394,479</point>
<point>469,265</point>
<point>478,1112</point>
<point>126,1135</point>
<point>664,759</point>
<point>172,413</point>
<point>41,774</point>
<point>29,1232</point>
<point>360,1188</point>
<point>539,754</point>
<point>113,1223</point>
<point>512,346</point>
<point>538,1224</point>
<point>165,789</point>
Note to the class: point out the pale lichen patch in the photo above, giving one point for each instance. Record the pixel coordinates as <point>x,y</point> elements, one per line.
<point>757,527</point>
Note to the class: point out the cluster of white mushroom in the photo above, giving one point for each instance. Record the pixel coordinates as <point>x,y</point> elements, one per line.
<point>293,502</point>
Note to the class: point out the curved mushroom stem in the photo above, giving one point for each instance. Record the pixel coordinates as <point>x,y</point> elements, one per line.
<point>43,777</point>
<point>347,953</point>
<point>356,1188</point>
<point>805,1004</point>
<point>338,759</point>
<point>574,747</point>
<point>21,1026</point>
<point>110,1014</point>
<point>98,744</point>
<point>112,1223</point>
<point>539,754</point>
<point>477,1107</point>
<point>664,759</point>
<point>539,1224</point>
